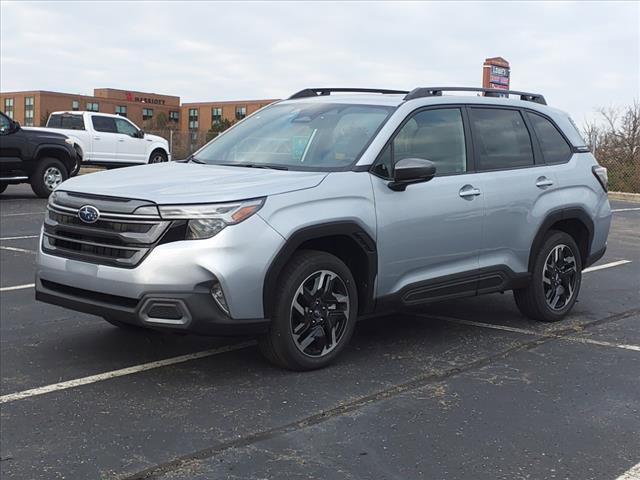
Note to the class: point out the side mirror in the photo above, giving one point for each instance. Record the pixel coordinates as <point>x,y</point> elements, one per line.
<point>14,127</point>
<point>411,170</point>
<point>140,134</point>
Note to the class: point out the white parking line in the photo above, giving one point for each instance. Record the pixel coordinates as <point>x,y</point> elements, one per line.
<point>122,372</point>
<point>606,265</point>
<point>625,209</point>
<point>524,331</point>
<point>16,249</point>
<point>20,214</point>
<point>17,287</point>
<point>632,474</point>
<point>19,238</point>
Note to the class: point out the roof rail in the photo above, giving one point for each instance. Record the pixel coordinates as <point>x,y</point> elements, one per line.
<point>489,92</point>
<point>314,92</point>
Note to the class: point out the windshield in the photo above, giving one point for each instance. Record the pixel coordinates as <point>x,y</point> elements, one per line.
<point>298,136</point>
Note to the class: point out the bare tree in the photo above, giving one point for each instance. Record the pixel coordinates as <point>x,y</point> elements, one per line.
<point>616,144</point>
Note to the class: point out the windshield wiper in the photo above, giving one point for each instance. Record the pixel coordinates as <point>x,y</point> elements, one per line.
<point>254,165</point>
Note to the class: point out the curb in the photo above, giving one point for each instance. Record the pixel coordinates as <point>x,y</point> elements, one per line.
<point>625,197</point>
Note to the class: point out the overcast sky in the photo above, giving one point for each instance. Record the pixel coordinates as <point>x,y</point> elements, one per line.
<point>579,55</point>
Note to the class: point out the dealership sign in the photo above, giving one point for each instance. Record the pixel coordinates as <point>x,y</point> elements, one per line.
<point>499,77</point>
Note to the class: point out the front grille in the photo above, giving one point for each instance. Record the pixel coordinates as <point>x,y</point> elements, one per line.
<point>117,238</point>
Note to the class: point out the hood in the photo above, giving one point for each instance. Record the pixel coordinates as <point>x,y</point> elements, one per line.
<point>44,133</point>
<point>155,138</point>
<point>174,183</point>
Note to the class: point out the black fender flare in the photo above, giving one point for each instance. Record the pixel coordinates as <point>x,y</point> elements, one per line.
<point>316,232</point>
<point>571,213</point>
<point>69,159</point>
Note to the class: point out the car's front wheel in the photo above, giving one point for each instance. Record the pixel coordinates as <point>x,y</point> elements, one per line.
<point>49,173</point>
<point>555,280</point>
<point>315,312</point>
<point>158,156</point>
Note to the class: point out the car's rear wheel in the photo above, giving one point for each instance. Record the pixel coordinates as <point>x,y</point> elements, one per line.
<point>158,156</point>
<point>314,312</point>
<point>555,280</point>
<point>49,173</point>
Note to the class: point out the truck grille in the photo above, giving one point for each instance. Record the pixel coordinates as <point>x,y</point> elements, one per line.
<point>118,238</point>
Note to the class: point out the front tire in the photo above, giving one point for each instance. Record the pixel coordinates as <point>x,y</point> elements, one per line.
<point>158,156</point>
<point>49,173</point>
<point>555,281</point>
<point>314,314</point>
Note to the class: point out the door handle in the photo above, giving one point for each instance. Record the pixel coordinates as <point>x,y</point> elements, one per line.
<point>96,138</point>
<point>543,182</point>
<point>121,140</point>
<point>469,191</point>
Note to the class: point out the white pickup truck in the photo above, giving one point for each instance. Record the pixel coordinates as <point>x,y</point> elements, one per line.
<point>108,140</point>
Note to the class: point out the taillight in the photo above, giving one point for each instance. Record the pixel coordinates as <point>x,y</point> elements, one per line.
<point>602,176</point>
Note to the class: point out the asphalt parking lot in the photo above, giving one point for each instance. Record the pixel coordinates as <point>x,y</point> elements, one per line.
<point>467,389</point>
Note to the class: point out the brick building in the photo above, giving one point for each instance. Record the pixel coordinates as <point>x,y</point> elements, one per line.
<point>148,110</point>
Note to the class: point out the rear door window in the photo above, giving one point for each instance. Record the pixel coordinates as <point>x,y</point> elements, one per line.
<point>66,121</point>
<point>555,148</point>
<point>103,124</point>
<point>501,137</point>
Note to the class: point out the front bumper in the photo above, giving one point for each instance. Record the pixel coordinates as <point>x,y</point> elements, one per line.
<point>176,273</point>
<point>194,312</point>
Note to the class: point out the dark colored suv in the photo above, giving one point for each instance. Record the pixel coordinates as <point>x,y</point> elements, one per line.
<point>42,159</point>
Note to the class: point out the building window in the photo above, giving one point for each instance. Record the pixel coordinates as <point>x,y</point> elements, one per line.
<point>241,112</point>
<point>147,113</point>
<point>216,114</point>
<point>193,119</point>
<point>8,107</point>
<point>121,110</point>
<point>174,116</point>
<point>28,111</point>
<point>75,105</point>
<point>93,106</point>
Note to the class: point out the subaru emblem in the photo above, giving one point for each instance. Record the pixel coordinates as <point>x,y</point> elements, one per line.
<point>89,214</point>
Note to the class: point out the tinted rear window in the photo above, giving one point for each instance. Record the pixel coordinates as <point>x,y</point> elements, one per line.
<point>554,147</point>
<point>501,138</point>
<point>103,124</point>
<point>67,121</point>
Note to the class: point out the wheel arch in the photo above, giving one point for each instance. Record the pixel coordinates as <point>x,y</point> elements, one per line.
<point>574,221</point>
<point>155,148</point>
<point>57,152</point>
<point>346,240</point>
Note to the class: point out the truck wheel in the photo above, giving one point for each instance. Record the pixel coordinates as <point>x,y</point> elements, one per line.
<point>3,187</point>
<point>555,280</point>
<point>314,315</point>
<point>158,156</point>
<point>49,173</point>
<point>78,164</point>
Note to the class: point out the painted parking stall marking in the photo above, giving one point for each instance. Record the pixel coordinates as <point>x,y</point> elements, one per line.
<point>24,237</point>
<point>17,287</point>
<point>123,372</point>
<point>524,331</point>
<point>16,249</point>
<point>633,209</point>
<point>606,265</point>
<point>632,474</point>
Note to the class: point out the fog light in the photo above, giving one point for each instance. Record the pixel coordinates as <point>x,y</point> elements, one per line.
<point>218,296</point>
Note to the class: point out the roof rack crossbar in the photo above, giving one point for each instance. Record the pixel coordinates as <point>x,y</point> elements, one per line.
<point>489,92</point>
<point>315,92</point>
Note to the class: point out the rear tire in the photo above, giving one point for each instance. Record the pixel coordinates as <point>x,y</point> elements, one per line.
<point>314,313</point>
<point>555,280</point>
<point>49,173</point>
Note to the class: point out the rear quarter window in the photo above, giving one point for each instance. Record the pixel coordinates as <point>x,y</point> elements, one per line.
<point>103,124</point>
<point>555,148</point>
<point>66,121</point>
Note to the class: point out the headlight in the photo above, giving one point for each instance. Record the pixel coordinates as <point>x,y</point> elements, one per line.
<point>205,221</point>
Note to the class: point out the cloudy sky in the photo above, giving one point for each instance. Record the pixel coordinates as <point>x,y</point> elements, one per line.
<point>580,55</point>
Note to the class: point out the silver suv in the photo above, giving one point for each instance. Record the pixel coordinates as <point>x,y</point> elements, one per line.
<point>330,206</point>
